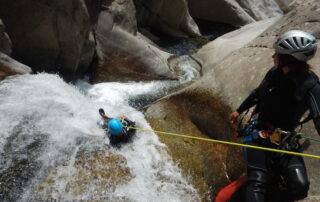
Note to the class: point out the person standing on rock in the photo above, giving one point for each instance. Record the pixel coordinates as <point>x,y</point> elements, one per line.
<point>288,90</point>
<point>118,130</point>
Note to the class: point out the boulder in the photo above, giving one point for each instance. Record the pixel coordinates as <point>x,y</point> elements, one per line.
<point>162,15</point>
<point>9,66</point>
<point>237,13</point>
<point>5,42</point>
<point>52,36</point>
<point>202,109</point>
<point>125,56</point>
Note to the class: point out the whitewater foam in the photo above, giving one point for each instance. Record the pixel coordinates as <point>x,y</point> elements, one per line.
<point>46,121</point>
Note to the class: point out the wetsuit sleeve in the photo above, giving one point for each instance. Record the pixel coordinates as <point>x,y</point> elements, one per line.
<point>254,96</point>
<point>250,101</point>
<point>314,105</point>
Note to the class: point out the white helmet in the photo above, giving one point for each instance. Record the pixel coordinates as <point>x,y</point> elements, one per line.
<point>299,44</point>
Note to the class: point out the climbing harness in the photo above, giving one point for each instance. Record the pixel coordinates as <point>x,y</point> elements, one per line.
<point>228,143</point>
<point>278,138</point>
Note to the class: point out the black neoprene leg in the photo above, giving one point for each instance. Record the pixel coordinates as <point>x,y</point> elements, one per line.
<point>256,185</point>
<point>295,175</point>
<point>257,175</point>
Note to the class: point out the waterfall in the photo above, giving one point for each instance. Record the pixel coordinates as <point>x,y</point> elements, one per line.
<point>52,146</point>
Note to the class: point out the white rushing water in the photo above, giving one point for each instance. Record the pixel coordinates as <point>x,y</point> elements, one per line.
<point>47,122</point>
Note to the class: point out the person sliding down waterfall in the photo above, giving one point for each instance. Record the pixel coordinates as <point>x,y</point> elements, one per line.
<point>118,130</point>
<point>288,90</point>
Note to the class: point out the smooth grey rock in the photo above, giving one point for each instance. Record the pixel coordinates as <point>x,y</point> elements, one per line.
<point>125,56</point>
<point>216,51</point>
<point>9,66</point>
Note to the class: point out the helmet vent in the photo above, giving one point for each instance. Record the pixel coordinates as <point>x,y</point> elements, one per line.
<point>295,41</point>
<point>289,43</point>
<point>302,41</point>
<point>282,46</point>
<point>308,42</point>
<point>305,41</point>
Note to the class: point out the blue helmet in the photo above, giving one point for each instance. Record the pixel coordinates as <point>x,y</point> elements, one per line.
<point>115,126</point>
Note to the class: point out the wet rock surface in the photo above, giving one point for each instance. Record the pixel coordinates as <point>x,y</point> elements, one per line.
<point>19,165</point>
<point>9,66</point>
<point>94,174</point>
<point>211,165</point>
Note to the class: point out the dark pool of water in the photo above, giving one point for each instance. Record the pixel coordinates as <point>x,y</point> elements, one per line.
<point>188,46</point>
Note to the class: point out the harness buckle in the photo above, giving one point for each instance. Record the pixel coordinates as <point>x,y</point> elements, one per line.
<point>275,137</point>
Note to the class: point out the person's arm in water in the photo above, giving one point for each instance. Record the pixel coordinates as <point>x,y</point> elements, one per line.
<point>123,117</point>
<point>105,116</point>
<point>105,125</point>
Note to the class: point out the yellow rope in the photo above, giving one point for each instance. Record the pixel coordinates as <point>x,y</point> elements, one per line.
<point>228,143</point>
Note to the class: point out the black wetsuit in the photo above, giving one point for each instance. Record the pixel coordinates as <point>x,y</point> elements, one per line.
<point>126,134</point>
<point>281,100</point>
